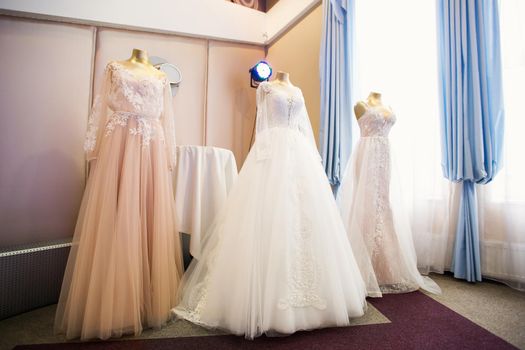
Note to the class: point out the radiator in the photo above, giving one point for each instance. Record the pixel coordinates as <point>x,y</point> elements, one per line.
<point>31,276</point>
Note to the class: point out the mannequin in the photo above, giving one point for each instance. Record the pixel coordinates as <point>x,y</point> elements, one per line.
<point>282,78</point>
<point>140,65</point>
<point>373,100</point>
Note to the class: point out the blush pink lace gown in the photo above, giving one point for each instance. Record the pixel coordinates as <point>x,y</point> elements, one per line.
<point>125,263</point>
<point>372,212</point>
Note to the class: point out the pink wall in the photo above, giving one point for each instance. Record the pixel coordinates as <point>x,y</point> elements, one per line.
<point>44,99</point>
<point>231,100</point>
<point>46,69</point>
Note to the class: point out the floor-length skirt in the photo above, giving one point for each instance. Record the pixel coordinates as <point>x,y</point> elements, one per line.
<point>125,262</point>
<point>277,259</point>
<point>372,210</point>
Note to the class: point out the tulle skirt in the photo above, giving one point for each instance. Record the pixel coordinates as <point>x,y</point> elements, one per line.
<point>125,263</point>
<point>277,259</point>
<point>373,214</point>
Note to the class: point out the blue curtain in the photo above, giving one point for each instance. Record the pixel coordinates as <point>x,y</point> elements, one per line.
<point>336,77</point>
<point>471,113</point>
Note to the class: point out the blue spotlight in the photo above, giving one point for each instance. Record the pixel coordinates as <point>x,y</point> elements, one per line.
<point>262,71</point>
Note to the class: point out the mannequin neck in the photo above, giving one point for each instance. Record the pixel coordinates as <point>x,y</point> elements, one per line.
<point>374,99</point>
<point>139,56</point>
<point>283,78</point>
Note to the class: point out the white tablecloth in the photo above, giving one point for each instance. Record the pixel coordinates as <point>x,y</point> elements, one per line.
<point>203,179</point>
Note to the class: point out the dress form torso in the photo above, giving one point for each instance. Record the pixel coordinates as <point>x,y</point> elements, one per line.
<point>139,64</point>
<point>282,78</point>
<point>373,100</point>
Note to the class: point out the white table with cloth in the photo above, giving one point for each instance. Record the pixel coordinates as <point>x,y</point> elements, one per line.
<point>203,178</point>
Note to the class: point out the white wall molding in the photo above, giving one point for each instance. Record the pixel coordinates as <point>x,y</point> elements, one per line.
<point>211,19</point>
<point>284,15</point>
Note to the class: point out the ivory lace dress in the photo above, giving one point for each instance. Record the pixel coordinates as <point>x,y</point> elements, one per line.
<point>373,213</point>
<point>125,263</point>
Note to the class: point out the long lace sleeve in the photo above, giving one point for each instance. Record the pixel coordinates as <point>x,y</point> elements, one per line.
<point>97,118</point>
<point>168,124</point>
<point>305,127</point>
<point>262,143</point>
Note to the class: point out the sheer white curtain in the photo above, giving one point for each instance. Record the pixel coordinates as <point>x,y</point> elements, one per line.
<point>397,56</point>
<point>502,202</point>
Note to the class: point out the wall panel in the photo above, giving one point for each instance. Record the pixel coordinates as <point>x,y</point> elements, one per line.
<point>231,100</point>
<point>44,99</point>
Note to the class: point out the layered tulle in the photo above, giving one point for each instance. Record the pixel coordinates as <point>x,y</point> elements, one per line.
<point>277,259</point>
<point>125,262</point>
<point>372,211</point>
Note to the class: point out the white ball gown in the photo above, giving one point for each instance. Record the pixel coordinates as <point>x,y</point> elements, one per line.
<point>277,259</point>
<point>373,212</point>
<point>125,262</point>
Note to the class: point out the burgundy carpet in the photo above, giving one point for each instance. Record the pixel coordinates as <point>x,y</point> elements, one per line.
<point>418,322</point>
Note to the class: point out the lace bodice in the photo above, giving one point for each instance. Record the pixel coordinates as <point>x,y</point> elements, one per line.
<point>126,97</point>
<point>280,106</point>
<point>284,104</point>
<point>128,93</point>
<point>375,123</point>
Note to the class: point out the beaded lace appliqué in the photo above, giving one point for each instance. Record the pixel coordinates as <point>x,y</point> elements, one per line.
<point>144,96</point>
<point>375,125</point>
<point>290,101</point>
<point>303,276</point>
<point>197,301</point>
<point>381,172</point>
<point>144,128</point>
<point>142,93</point>
<point>198,296</point>
<point>91,135</point>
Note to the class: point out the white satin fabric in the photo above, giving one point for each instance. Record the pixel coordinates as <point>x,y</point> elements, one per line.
<point>203,178</point>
